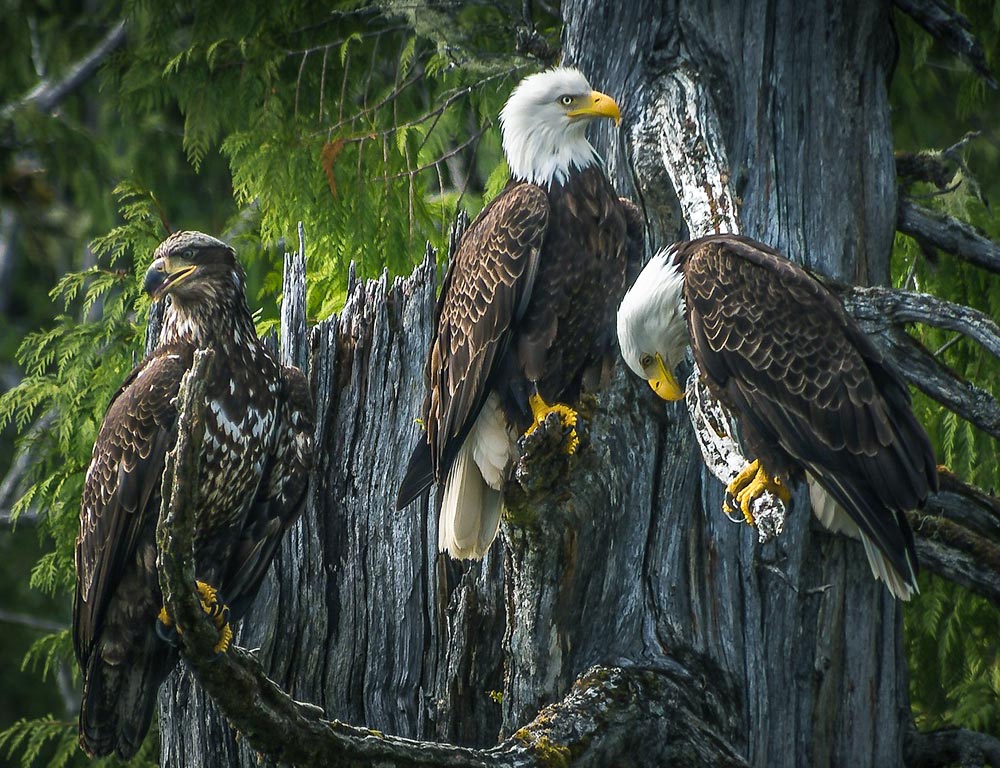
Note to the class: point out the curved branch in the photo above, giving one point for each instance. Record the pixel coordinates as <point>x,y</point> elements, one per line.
<point>918,366</point>
<point>958,536</point>
<point>47,95</point>
<point>949,234</point>
<point>909,307</point>
<point>668,714</point>
<point>967,505</point>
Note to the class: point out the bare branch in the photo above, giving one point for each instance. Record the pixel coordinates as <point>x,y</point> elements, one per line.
<point>949,234</point>
<point>32,622</point>
<point>901,307</point>
<point>944,23</point>
<point>956,554</point>
<point>951,746</point>
<point>47,95</point>
<point>967,505</point>
<point>958,536</point>
<point>918,366</point>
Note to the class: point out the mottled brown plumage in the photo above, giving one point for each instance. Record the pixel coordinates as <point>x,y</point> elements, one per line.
<point>254,468</point>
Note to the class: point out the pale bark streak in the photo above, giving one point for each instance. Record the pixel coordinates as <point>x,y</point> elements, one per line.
<point>693,153</point>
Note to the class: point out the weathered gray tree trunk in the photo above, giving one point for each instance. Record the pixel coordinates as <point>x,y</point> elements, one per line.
<point>629,561</point>
<point>811,643</point>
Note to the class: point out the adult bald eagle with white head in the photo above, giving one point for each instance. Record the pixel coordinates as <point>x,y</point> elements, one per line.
<point>810,394</point>
<point>525,320</point>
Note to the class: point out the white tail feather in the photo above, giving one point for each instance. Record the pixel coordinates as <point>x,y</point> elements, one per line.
<point>472,502</point>
<point>835,518</point>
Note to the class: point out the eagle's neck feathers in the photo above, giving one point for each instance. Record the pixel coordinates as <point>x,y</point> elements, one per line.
<point>543,156</point>
<point>219,319</point>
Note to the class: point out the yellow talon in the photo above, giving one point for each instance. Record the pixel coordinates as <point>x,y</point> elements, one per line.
<point>567,416</point>
<point>217,611</point>
<point>225,638</point>
<point>748,485</point>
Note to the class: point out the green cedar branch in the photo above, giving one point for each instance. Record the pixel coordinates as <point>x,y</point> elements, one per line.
<point>938,230</point>
<point>668,715</point>
<point>944,23</point>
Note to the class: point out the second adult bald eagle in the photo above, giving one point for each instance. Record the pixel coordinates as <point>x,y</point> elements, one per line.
<point>808,390</point>
<point>525,320</point>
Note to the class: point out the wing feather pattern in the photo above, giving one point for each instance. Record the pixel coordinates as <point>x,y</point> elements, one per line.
<point>122,486</point>
<point>486,290</point>
<point>802,376</point>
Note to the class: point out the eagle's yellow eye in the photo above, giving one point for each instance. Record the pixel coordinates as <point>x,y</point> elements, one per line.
<point>645,361</point>
<point>566,101</point>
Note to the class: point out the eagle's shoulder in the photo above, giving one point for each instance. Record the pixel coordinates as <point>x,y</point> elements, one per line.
<point>513,222</point>
<point>488,286</point>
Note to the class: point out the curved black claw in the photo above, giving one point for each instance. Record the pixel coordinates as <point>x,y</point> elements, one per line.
<point>167,633</point>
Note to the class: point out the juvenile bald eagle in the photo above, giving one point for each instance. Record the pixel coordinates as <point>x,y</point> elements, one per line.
<point>524,322</point>
<point>254,464</point>
<point>810,393</point>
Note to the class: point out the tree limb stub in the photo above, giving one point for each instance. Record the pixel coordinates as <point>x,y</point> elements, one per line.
<point>949,234</point>
<point>951,746</point>
<point>667,715</point>
<point>952,29</point>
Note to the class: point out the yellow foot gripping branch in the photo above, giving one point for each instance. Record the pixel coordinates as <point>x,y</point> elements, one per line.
<point>217,611</point>
<point>567,416</point>
<point>749,485</point>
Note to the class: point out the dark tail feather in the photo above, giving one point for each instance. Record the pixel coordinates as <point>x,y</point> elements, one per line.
<point>419,474</point>
<point>118,700</point>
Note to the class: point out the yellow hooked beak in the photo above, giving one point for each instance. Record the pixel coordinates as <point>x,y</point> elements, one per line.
<point>663,382</point>
<point>597,104</point>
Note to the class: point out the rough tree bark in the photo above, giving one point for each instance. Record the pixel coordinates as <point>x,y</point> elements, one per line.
<point>773,121</point>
